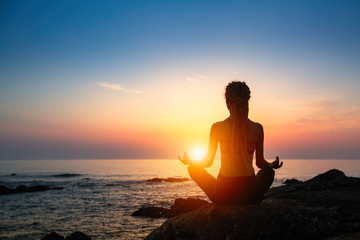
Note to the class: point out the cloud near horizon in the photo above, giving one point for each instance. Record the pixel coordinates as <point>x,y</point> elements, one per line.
<point>197,79</point>
<point>118,87</point>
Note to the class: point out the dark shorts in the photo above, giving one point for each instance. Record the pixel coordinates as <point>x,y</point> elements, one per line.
<point>240,190</point>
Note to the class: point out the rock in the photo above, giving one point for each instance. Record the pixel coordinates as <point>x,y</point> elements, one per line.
<point>155,180</point>
<point>5,190</point>
<point>38,188</point>
<point>67,175</point>
<point>170,179</point>
<point>22,188</point>
<point>324,207</point>
<point>186,205</point>
<point>331,175</point>
<point>292,181</point>
<point>13,174</point>
<point>180,206</point>
<point>152,212</point>
<point>53,236</point>
<point>78,236</point>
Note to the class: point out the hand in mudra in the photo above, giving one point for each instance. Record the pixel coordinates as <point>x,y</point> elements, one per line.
<point>276,164</point>
<point>185,160</point>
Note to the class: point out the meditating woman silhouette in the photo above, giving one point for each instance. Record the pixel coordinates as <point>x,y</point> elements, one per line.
<point>239,138</point>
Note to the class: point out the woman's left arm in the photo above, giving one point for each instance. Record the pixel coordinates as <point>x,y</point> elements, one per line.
<point>209,159</point>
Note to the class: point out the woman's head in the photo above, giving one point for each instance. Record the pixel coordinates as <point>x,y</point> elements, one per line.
<point>237,95</point>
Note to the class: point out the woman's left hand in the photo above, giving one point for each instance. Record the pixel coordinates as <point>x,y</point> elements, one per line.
<point>276,164</point>
<point>185,160</point>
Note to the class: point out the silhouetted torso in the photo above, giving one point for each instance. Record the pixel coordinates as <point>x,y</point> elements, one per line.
<point>223,133</point>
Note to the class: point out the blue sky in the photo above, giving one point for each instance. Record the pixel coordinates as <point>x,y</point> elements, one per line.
<point>81,34</point>
<point>52,53</point>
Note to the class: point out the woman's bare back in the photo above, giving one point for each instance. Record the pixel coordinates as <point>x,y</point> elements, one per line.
<point>223,132</point>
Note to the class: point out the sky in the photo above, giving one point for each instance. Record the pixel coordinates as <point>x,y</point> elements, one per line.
<point>145,79</point>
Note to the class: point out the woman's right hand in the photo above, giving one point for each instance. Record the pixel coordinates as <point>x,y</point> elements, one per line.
<point>185,160</point>
<point>276,164</point>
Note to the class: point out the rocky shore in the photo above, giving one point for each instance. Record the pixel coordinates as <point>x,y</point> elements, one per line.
<point>324,207</point>
<point>180,206</point>
<point>22,189</point>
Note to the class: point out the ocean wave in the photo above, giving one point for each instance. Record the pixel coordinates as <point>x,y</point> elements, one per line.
<point>123,183</point>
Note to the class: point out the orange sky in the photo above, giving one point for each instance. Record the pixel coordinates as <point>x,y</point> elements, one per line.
<point>167,118</point>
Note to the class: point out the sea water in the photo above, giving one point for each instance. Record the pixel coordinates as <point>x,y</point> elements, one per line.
<point>98,196</point>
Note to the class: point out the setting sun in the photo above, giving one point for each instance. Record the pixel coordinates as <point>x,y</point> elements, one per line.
<point>197,153</point>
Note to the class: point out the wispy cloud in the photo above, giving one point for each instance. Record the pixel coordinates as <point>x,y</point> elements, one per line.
<point>118,87</point>
<point>197,79</point>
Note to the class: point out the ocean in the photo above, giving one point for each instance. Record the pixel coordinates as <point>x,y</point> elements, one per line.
<point>98,196</point>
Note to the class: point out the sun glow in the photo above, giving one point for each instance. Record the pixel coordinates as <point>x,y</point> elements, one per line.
<point>197,153</point>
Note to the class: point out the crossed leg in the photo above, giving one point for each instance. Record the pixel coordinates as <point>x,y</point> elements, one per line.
<point>207,182</point>
<point>264,179</point>
<point>204,180</point>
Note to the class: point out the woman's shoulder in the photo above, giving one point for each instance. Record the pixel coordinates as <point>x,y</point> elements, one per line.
<point>255,125</point>
<point>221,129</point>
<point>221,125</point>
